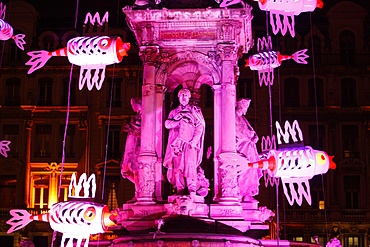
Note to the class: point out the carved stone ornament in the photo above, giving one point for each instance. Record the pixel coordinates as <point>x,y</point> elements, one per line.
<point>182,205</point>
<point>149,53</point>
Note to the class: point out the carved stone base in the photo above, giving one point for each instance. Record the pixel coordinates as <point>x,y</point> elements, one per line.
<point>186,205</point>
<point>226,211</point>
<point>255,214</point>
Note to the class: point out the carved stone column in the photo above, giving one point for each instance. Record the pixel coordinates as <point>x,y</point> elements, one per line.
<point>148,157</point>
<point>228,186</point>
<point>217,138</point>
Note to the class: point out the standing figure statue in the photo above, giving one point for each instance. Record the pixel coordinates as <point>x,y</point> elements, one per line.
<point>246,139</point>
<point>185,146</point>
<point>129,163</point>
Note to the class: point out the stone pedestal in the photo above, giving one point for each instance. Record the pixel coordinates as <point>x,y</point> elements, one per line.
<point>136,217</point>
<point>186,206</point>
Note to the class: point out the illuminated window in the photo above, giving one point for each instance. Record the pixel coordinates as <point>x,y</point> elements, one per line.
<point>347,48</point>
<point>321,240</point>
<point>41,193</point>
<point>73,90</point>
<point>114,92</point>
<point>348,92</point>
<point>298,239</point>
<point>45,91</point>
<point>11,133</point>
<point>353,241</point>
<point>12,92</point>
<point>112,201</point>
<point>291,92</point>
<point>43,140</point>
<point>321,205</point>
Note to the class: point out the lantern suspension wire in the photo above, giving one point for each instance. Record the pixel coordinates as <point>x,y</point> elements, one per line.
<point>317,123</point>
<point>271,134</point>
<point>109,116</point>
<point>65,128</point>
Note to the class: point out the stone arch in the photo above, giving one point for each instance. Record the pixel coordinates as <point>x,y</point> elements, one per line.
<point>190,69</point>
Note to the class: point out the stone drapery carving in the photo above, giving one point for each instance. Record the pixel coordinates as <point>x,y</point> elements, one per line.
<point>185,147</point>
<point>246,139</point>
<point>129,163</point>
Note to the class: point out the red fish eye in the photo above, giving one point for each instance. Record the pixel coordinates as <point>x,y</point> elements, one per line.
<point>323,157</point>
<point>105,43</point>
<point>89,214</point>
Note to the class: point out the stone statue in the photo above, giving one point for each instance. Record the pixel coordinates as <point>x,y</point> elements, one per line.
<point>129,163</point>
<point>185,147</point>
<point>246,139</point>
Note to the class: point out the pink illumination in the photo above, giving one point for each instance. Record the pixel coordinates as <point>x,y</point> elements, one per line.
<point>287,9</point>
<point>266,60</point>
<point>296,166</point>
<point>75,219</point>
<point>6,31</point>
<point>4,148</point>
<point>91,53</point>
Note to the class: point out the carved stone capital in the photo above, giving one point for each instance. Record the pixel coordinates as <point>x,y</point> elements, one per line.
<point>148,90</point>
<point>149,54</point>
<point>227,52</point>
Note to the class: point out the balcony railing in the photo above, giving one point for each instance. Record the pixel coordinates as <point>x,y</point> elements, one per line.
<point>329,215</point>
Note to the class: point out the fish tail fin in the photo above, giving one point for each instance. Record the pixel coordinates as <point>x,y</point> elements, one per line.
<point>20,219</point>
<point>19,41</point>
<point>38,60</point>
<point>300,56</point>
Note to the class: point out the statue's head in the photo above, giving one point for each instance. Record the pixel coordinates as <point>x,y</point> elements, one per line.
<point>136,104</point>
<point>243,105</point>
<point>184,96</point>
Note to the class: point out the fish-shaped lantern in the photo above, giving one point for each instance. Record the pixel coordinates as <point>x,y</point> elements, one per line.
<point>91,53</point>
<point>287,9</point>
<point>76,220</point>
<point>266,60</point>
<point>7,32</point>
<point>4,148</point>
<point>296,166</point>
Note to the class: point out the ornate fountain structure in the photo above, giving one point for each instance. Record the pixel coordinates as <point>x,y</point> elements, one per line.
<point>189,48</point>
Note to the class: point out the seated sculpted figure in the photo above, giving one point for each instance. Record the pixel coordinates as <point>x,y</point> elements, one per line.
<point>129,163</point>
<point>246,139</point>
<point>185,146</point>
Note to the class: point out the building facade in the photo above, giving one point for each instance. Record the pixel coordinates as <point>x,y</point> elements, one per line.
<point>329,97</point>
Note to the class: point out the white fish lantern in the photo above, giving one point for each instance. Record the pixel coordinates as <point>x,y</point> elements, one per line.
<point>76,220</point>
<point>7,32</point>
<point>296,166</point>
<point>287,9</point>
<point>266,60</point>
<point>93,54</point>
